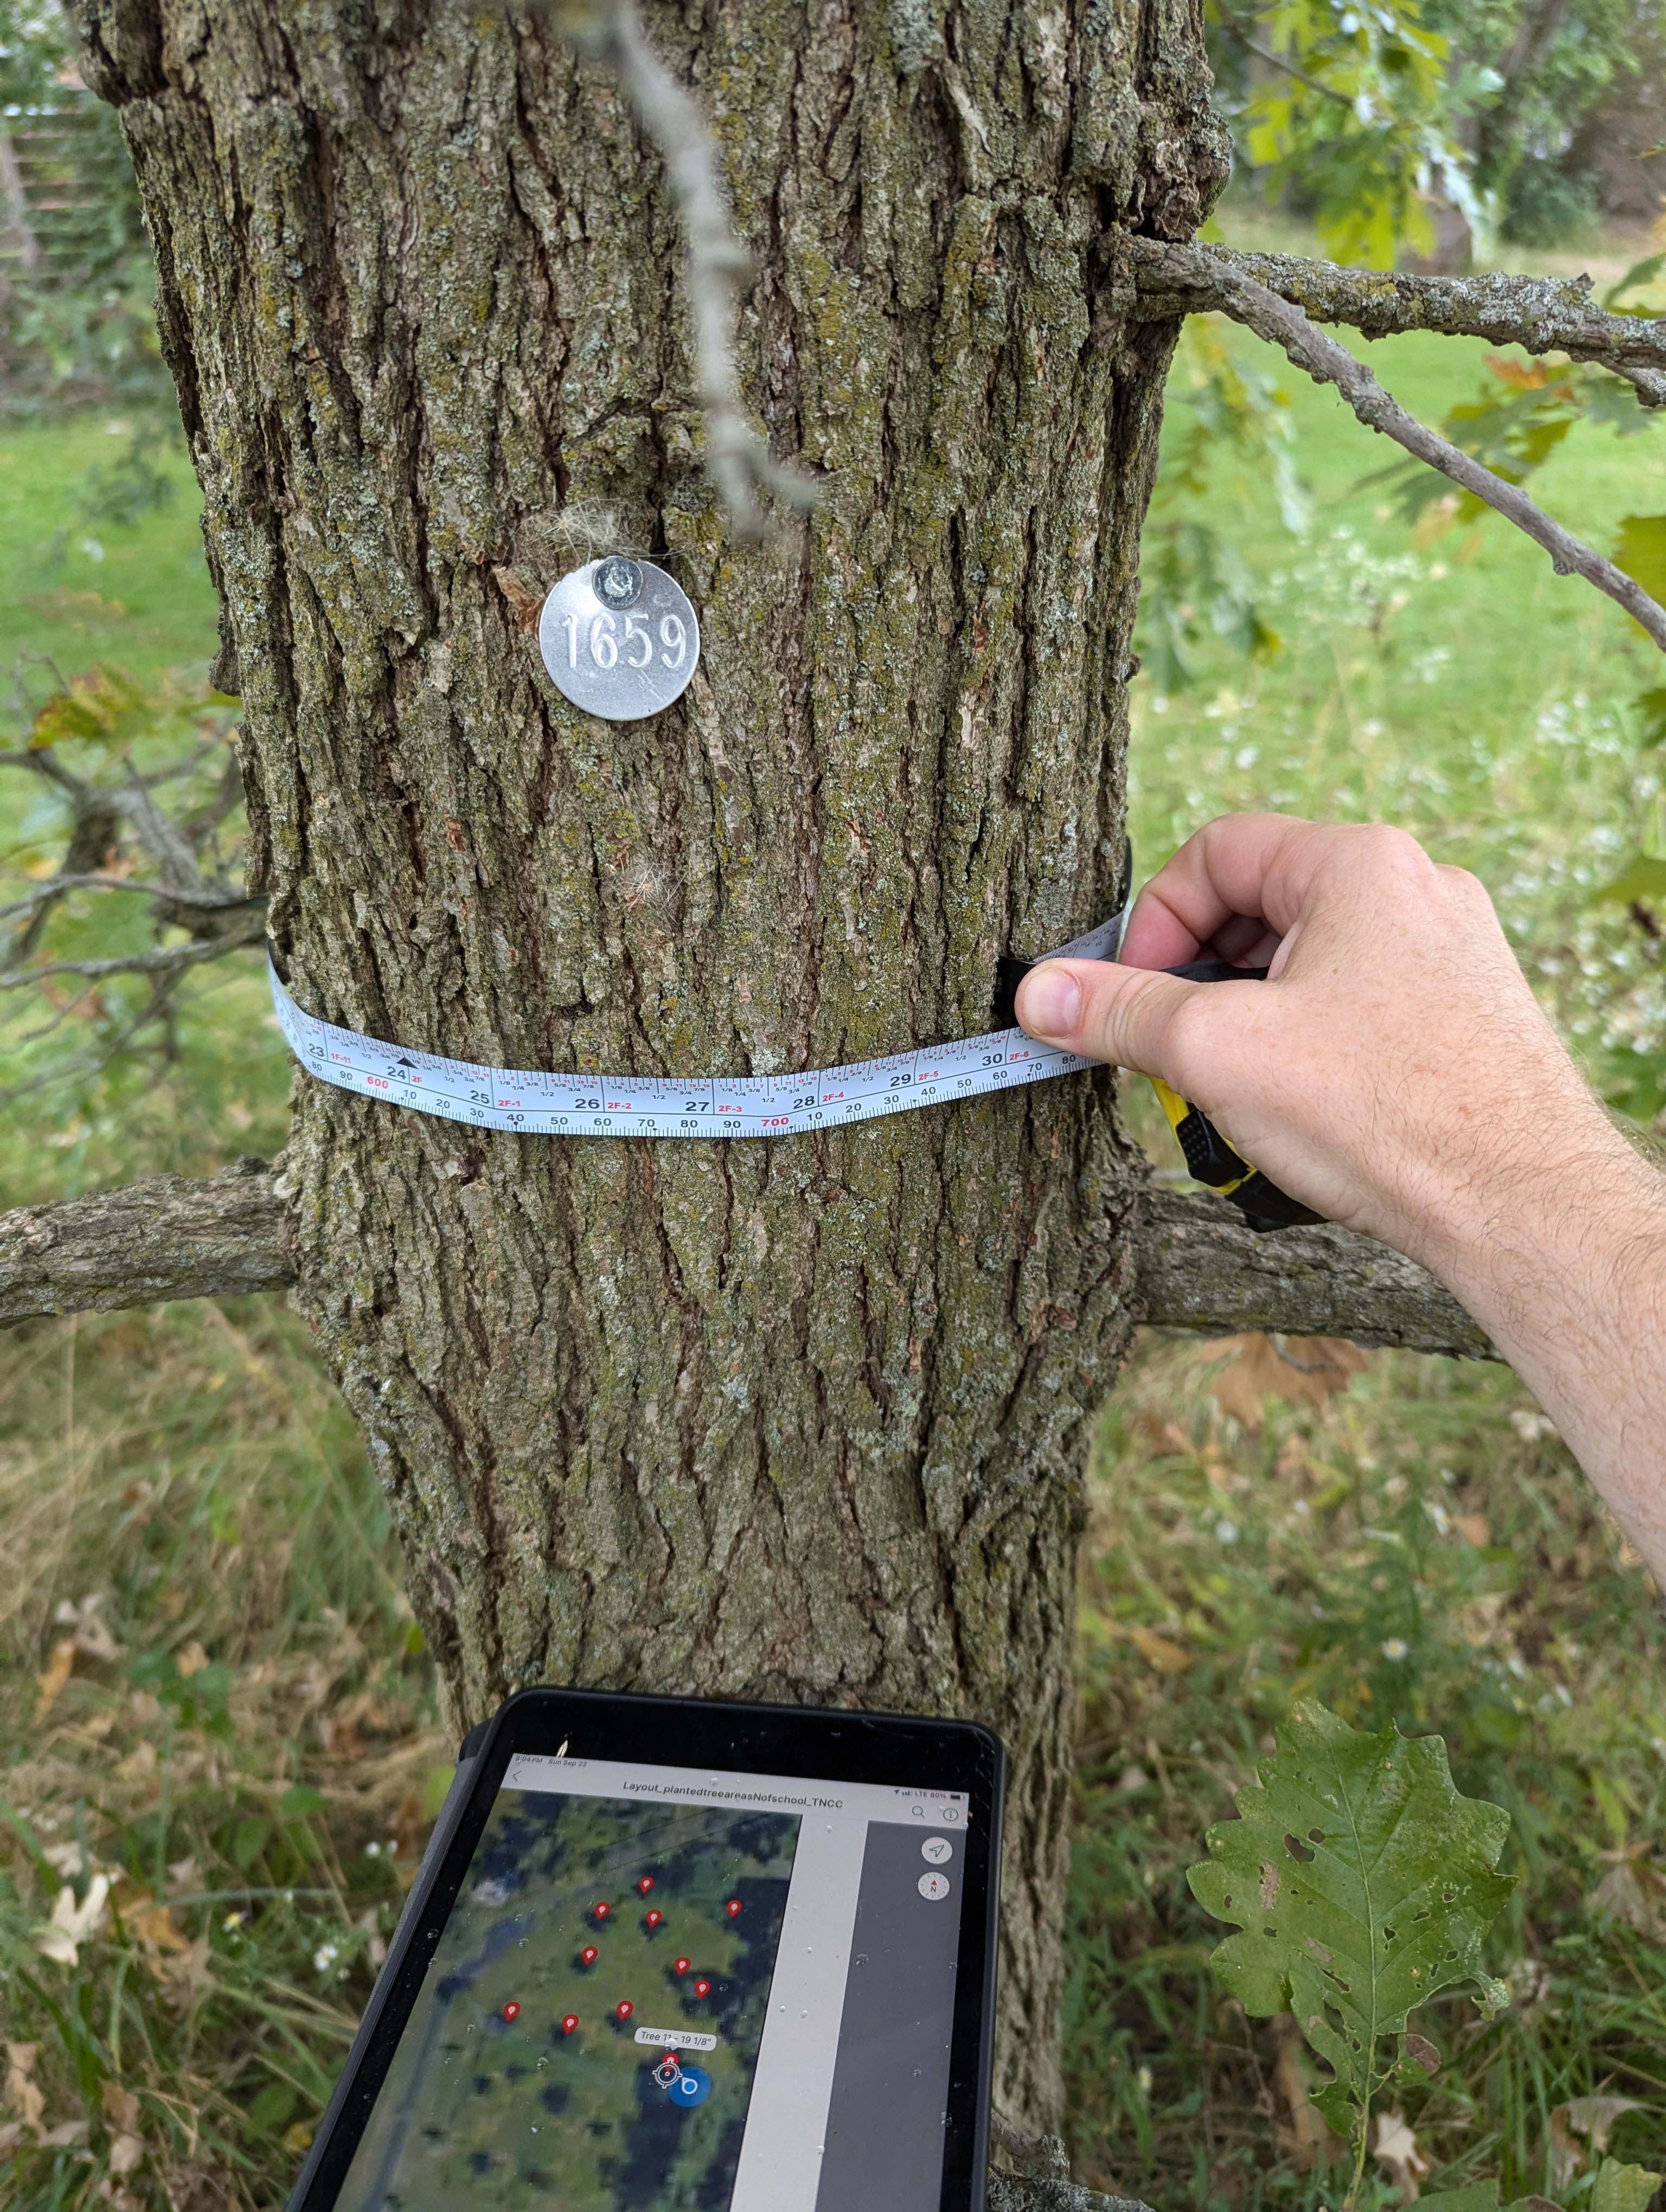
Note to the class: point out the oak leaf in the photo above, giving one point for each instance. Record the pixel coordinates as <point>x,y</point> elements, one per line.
<point>1362,1882</point>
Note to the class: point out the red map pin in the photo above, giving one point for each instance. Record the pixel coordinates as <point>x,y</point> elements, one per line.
<point>512,2010</point>
<point>624,2007</point>
<point>601,1910</point>
<point>651,1919</point>
<point>569,2023</point>
<point>702,1989</point>
<point>733,1907</point>
<point>646,1884</point>
<point>680,1965</point>
<point>588,1956</point>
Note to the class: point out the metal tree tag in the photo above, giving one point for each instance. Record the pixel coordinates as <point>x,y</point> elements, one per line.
<point>620,638</point>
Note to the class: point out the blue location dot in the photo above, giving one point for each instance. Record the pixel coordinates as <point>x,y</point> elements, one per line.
<point>692,2087</point>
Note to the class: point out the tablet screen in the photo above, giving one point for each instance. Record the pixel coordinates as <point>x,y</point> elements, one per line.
<point>668,1987</point>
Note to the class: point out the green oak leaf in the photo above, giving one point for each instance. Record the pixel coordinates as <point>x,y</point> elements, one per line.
<point>1361,1882</point>
<point>1620,2187</point>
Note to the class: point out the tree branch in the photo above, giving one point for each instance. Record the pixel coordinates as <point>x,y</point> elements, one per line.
<point>1282,324</point>
<point>1197,1266</point>
<point>169,1238</point>
<point>739,458</point>
<point>170,960</point>
<point>1240,37</point>
<point>1543,314</point>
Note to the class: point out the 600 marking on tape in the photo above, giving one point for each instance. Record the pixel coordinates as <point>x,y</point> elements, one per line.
<point>532,1104</point>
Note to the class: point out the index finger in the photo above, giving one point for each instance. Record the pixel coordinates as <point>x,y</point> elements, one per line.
<point>1258,864</point>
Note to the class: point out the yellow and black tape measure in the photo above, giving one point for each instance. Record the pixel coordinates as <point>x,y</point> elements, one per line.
<point>1209,1157</point>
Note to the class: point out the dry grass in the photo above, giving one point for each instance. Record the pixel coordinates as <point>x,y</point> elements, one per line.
<point>219,1754</point>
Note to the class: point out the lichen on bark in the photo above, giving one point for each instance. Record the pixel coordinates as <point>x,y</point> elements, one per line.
<point>802,1420</point>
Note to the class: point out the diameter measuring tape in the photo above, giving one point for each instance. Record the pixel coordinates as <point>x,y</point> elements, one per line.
<point>532,1103</point>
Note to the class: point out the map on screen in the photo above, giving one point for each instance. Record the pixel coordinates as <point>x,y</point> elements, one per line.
<point>588,2028</point>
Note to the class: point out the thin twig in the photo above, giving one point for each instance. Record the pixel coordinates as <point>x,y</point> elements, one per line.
<point>159,1004</point>
<point>740,459</point>
<point>208,898</point>
<point>1241,37</point>
<point>1284,325</point>
<point>172,960</point>
<point>1541,314</point>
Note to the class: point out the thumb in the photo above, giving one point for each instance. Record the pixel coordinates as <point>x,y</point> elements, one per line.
<point>1128,1016</point>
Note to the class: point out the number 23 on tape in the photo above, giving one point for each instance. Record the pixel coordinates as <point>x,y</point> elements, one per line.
<point>620,638</point>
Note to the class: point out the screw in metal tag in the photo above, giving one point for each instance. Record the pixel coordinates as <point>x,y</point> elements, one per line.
<point>620,638</point>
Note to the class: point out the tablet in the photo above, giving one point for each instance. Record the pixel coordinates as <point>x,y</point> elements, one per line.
<point>667,1952</point>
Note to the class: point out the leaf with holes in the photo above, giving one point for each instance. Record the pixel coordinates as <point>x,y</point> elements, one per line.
<point>1362,1882</point>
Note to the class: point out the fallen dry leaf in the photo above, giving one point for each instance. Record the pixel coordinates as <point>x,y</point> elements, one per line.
<point>59,1938</point>
<point>1396,2148</point>
<point>119,2105</point>
<point>157,1929</point>
<point>1590,2116</point>
<point>1302,1370</point>
<point>191,1659</point>
<point>126,2152</point>
<point>59,1667</point>
<point>22,2093</point>
<point>1156,1651</point>
<point>191,1971</point>
<point>1636,1894</point>
<point>1308,2139</point>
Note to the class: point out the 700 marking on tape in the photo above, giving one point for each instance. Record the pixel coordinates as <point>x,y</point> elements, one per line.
<point>529,1103</point>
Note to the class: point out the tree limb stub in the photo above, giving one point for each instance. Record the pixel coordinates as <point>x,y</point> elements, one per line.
<point>166,1238</point>
<point>1284,325</point>
<point>1198,1267</point>
<point>1543,314</point>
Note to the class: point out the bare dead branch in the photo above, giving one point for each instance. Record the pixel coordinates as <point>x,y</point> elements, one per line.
<point>1543,314</point>
<point>739,458</point>
<point>1196,1265</point>
<point>1282,324</point>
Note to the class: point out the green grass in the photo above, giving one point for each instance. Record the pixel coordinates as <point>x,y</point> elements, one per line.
<point>248,1710</point>
<point>74,590</point>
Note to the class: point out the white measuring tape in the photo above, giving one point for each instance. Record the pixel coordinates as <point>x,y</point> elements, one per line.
<point>532,1104</point>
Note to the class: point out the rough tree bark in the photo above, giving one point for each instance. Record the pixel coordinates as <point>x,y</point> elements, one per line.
<point>801,1420</point>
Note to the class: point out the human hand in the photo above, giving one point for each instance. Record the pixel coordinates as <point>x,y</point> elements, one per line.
<point>1394,1072</point>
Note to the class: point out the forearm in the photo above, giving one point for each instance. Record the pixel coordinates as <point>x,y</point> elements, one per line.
<point>1570,1281</point>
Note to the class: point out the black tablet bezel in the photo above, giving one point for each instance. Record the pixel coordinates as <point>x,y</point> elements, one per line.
<point>897,1749</point>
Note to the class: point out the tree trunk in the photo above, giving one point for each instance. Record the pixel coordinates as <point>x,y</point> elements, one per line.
<point>803,1419</point>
